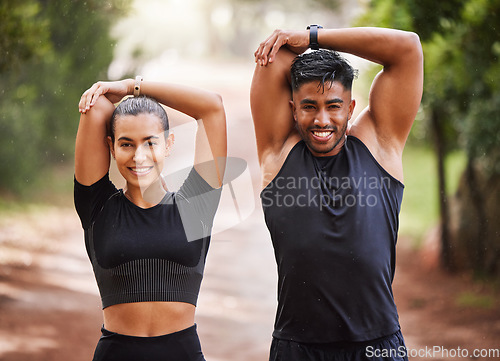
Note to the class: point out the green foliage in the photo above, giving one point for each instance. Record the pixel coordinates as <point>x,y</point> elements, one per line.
<point>24,34</point>
<point>425,17</point>
<point>387,14</point>
<point>482,132</point>
<point>429,17</point>
<point>40,93</point>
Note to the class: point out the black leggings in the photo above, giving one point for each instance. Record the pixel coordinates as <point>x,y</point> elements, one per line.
<point>178,346</point>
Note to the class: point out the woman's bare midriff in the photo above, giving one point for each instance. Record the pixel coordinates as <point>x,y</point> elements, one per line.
<point>148,319</point>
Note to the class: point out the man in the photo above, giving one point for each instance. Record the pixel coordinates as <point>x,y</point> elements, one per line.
<point>332,186</point>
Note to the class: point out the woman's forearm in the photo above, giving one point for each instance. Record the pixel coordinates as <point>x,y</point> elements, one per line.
<point>197,103</point>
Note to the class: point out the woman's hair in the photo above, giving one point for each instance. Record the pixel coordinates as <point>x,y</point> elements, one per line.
<point>323,66</point>
<point>136,106</point>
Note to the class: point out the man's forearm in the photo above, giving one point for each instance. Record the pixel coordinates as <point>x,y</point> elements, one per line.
<point>382,46</point>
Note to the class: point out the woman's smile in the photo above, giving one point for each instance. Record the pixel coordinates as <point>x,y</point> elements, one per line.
<point>141,171</point>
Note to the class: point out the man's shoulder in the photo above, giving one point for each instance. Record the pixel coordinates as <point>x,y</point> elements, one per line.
<point>387,154</point>
<point>273,159</point>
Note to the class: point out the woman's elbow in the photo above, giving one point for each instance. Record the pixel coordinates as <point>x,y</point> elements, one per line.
<point>100,112</point>
<point>218,102</point>
<point>215,104</point>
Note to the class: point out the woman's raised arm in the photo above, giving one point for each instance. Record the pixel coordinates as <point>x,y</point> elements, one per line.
<point>92,156</point>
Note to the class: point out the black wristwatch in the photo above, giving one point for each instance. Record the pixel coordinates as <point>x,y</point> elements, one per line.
<point>313,36</point>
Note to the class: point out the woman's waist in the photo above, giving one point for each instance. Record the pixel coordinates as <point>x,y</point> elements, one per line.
<point>148,319</point>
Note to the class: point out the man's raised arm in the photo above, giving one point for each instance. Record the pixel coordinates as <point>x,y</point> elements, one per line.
<point>270,97</point>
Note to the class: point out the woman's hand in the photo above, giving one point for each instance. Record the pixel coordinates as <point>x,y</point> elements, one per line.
<point>114,91</point>
<point>296,41</point>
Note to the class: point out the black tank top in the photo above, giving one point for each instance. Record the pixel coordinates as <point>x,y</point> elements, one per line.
<point>333,223</point>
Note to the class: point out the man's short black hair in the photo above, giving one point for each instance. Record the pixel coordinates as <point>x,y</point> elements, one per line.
<point>323,66</point>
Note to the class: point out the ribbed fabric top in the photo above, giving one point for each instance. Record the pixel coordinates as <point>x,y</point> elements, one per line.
<point>153,254</point>
<point>145,280</point>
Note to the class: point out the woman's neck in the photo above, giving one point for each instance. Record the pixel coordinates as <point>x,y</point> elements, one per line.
<point>146,198</point>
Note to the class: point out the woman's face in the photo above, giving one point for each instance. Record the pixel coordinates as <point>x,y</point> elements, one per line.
<point>139,149</point>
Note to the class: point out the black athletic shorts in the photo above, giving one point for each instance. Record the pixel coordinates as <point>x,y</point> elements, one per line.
<point>178,346</point>
<point>387,348</point>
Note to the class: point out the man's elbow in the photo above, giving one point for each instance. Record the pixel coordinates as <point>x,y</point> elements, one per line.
<point>413,46</point>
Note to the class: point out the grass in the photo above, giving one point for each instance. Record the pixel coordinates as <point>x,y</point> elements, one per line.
<point>54,188</point>
<point>420,208</point>
<point>473,300</point>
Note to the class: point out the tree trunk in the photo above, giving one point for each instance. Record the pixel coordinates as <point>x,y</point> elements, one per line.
<point>475,219</point>
<point>477,202</point>
<point>440,146</point>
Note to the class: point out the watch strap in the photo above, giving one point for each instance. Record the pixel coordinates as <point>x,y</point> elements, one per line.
<point>137,86</point>
<point>313,36</point>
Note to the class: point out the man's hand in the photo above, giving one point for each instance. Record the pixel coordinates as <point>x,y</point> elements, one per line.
<point>114,91</point>
<point>296,41</point>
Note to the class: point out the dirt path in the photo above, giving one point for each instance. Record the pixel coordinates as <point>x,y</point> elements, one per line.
<point>445,316</point>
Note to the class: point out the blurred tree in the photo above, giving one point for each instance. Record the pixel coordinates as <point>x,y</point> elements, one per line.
<point>61,49</point>
<point>461,100</point>
<point>23,34</point>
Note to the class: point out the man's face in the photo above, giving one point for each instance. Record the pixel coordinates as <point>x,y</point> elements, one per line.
<point>322,115</point>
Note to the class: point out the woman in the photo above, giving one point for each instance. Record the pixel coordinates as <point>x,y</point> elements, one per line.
<point>147,245</point>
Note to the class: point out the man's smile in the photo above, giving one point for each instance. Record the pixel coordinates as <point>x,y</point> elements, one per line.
<point>322,135</point>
